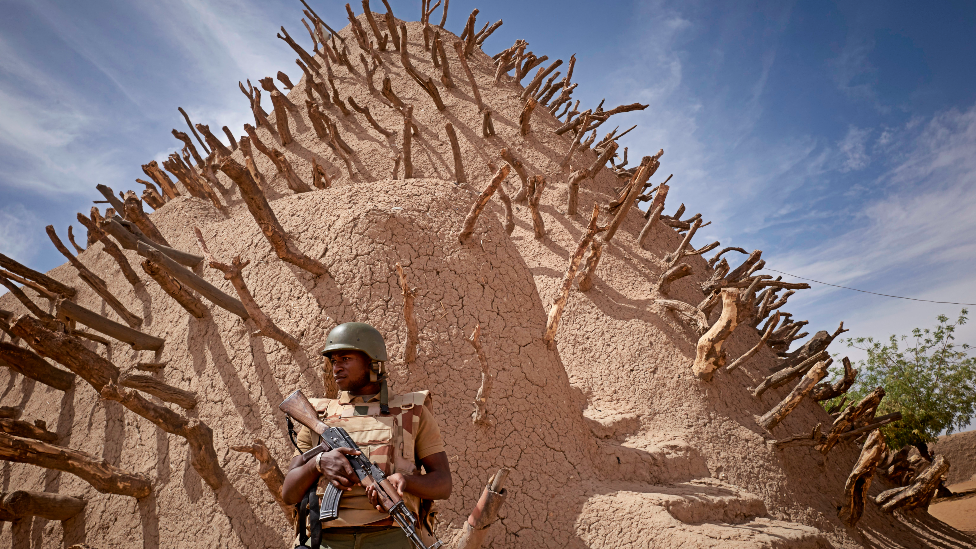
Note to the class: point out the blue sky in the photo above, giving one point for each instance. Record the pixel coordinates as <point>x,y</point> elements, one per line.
<point>838,138</point>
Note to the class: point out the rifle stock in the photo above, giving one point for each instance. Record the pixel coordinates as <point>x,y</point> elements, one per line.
<point>298,407</point>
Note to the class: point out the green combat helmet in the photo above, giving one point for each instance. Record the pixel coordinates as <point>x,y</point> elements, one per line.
<point>359,336</point>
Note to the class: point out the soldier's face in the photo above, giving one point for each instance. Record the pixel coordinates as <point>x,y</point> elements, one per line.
<point>350,370</point>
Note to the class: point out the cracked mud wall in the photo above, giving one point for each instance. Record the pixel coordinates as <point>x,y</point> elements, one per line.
<point>612,441</point>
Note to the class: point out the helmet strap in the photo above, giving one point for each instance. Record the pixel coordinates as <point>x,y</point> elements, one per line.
<point>384,398</point>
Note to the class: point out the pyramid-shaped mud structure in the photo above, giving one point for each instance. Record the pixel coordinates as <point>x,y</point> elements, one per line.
<point>602,403</point>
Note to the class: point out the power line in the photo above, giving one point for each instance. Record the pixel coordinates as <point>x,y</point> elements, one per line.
<point>872,293</point>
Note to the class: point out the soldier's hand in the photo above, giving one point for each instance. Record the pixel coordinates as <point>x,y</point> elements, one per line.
<point>337,470</point>
<point>399,483</point>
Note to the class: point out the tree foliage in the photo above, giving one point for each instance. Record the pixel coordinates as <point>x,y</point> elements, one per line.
<point>926,376</point>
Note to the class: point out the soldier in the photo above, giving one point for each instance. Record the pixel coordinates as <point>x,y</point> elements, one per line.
<point>396,432</point>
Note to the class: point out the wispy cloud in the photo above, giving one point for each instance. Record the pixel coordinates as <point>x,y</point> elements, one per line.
<point>853,73</point>
<point>853,149</point>
<point>18,225</point>
<point>914,239</point>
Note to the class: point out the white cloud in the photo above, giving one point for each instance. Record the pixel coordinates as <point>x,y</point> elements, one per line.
<point>914,240</point>
<point>17,229</point>
<point>852,148</point>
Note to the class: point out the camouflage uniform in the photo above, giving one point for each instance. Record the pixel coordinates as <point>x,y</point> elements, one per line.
<point>396,443</point>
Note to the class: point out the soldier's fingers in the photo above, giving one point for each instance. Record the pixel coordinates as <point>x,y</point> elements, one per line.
<point>347,451</point>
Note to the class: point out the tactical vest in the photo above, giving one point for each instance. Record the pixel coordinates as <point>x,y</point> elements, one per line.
<point>386,440</point>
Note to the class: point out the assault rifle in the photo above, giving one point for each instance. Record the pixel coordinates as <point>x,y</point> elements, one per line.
<point>299,408</point>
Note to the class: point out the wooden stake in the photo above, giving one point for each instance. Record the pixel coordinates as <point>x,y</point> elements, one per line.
<point>188,143</point>
<point>46,505</point>
<point>391,95</point>
<point>198,435</point>
<point>851,416</point>
<point>485,512</point>
<point>856,487</point>
<point>920,493</point>
<point>509,214</point>
<point>444,14</point>
<point>139,341</point>
<point>380,37</point>
<point>409,319</point>
<point>171,286</point>
<point>424,82</point>
<point>651,220</point>
<point>281,117</point>
<point>308,59</point>
<point>751,352</point>
<point>234,273</point>
<point>11,411</point>
<point>391,25</point>
<point>104,477</point>
<point>784,376</point>
<point>320,177</point>
<point>49,283</point>
<point>407,130</point>
<point>155,173</point>
<point>315,117</point>
<point>94,281</point>
<point>134,213</point>
<point>265,217</point>
<point>468,35</point>
<point>596,250</point>
<point>519,168</point>
<point>37,430</point>
<point>535,195</point>
<point>480,203</point>
<point>524,127</point>
<point>736,307</point>
<point>463,58</point>
<point>539,77</point>
<point>213,142</point>
<point>160,390</point>
<point>579,176</point>
<point>151,366</point>
<point>779,412</point>
<point>26,301</point>
<point>459,175</point>
<point>71,238</point>
<point>191,280</point>
<point>192,130</point>
<point>111,249</point>
<point>129,237</point>
<point>30,364</point>
<point>680,270</point>
<point>150,195</point>
<point>439,52</point>
<point>484,34</point>
<point>827,391</point>
<point>294,182</point>
<point>556,311</point>
<point>269,471</point>
<point>480,414</point>
<point>487,128</point>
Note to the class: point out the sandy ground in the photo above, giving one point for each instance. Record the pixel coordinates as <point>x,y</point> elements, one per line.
<point>958,511</point>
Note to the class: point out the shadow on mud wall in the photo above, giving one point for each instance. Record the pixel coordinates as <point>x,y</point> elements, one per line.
<point>250,530</point>
<point>224,366</point>
<point>149,519</point>
<point>74,529</point>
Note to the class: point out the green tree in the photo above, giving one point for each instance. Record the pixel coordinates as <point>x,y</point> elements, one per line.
<point>926,377</point>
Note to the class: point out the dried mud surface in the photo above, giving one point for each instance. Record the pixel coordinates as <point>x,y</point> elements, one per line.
<point>612,441</point>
